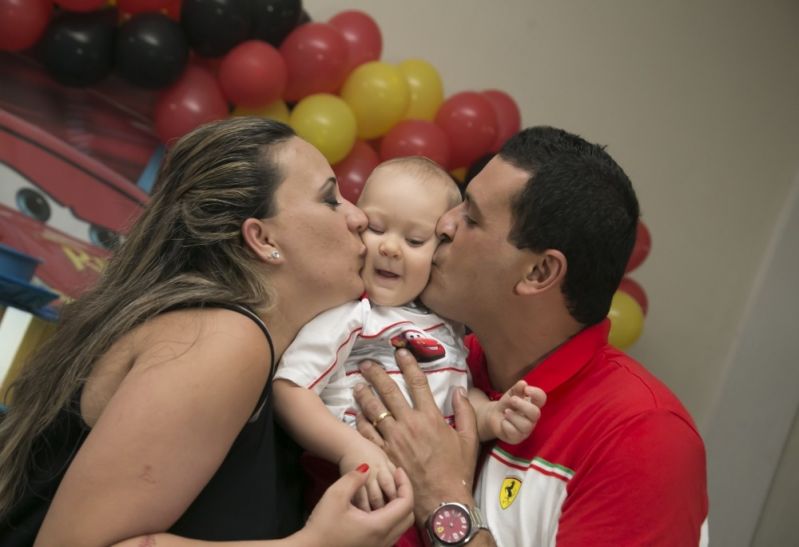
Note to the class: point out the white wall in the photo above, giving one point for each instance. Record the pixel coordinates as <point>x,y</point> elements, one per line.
<point>696,100</point>
<point>699,102</point>
<point>757,401</point>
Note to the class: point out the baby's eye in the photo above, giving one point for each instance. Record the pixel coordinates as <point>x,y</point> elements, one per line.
<point>415,242</point>
<point>375,229</point>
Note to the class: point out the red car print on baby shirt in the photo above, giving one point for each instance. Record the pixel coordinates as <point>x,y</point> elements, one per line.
<point>423,348</point>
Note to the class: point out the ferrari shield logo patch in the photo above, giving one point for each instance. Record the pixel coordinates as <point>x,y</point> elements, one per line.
<point>510,488</point>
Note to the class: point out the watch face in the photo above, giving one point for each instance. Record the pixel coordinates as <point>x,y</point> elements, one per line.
<point>450,524</point>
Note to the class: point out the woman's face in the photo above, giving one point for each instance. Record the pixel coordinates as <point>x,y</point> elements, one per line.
<point>318,230</point>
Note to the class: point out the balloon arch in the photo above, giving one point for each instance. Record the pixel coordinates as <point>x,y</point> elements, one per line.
<point>209,59</point>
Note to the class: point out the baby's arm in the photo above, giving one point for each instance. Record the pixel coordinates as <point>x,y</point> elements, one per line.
<point>316,429</point>
<point>511,418</point>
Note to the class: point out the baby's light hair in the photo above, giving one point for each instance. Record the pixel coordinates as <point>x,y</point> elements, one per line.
<point>428,169</point>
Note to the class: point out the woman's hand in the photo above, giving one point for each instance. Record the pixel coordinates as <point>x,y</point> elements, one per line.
<point>335,521</point>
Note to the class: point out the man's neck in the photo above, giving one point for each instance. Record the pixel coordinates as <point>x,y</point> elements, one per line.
<point>514,349</point>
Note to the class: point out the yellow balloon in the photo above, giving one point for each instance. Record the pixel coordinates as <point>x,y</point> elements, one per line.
<point>626,320</point>
<point>274,111</point>
<point>379,97</point>
<point>427,90</point>
<point>459,174</point>
<point>327,122</point>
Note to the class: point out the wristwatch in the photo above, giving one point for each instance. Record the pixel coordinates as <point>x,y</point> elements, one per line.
<point>454,524</point>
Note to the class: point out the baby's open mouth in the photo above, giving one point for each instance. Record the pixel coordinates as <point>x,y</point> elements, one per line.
<point>386,273</point>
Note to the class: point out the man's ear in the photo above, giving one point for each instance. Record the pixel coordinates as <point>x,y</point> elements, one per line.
<point>257,238</point>
<point>542,272</point>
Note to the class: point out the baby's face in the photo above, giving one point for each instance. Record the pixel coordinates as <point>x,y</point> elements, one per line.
<point>400,241</point>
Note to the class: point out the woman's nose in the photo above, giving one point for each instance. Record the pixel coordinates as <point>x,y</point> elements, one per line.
<point>356,219</point>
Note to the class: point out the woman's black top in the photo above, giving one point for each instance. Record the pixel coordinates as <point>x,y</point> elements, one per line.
<point>255,494</point>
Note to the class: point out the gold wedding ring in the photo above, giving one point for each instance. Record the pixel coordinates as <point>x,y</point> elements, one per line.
<point>382,416</point>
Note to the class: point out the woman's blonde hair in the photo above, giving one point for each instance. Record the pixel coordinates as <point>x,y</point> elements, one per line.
<point>186,247</point>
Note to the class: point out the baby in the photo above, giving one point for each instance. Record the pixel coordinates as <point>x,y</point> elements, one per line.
<point>403,200</point>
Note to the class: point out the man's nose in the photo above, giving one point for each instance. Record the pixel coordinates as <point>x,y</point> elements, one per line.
<point>447,225</point>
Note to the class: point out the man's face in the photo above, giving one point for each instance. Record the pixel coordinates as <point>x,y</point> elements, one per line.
<point>476,268</point>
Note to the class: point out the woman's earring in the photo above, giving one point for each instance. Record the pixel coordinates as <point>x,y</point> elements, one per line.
<point>275,255</point>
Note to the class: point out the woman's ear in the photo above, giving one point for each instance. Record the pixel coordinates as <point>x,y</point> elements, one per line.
<point>543,271</point>
<point>256,236</point>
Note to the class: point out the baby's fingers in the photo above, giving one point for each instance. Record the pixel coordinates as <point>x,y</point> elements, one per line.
<point>523,407</point>
<point>361,499</point>
<point>374,492</point>
<point>535,395</point>
<point>386,481</point>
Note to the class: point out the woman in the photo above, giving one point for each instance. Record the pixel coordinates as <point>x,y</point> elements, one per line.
<point>149,410</point>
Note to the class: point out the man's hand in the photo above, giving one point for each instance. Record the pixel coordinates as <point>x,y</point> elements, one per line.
<point>438,459</point>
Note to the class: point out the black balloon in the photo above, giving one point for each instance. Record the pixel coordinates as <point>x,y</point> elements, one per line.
<point>77,49</point>
<point>304,18</point>
<point>214,27</point>
<point>151,51</point>
<point>273,20</point>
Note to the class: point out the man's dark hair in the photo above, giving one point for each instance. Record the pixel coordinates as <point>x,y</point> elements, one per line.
<point>580,202</point>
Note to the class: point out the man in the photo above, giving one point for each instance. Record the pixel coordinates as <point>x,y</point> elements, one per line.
<point>530,261</point>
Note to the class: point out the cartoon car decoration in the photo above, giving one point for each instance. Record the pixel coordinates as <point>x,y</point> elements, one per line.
<point>423,348</point>
<point>60,205</point>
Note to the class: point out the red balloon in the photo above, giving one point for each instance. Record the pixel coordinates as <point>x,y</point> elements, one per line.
<point>316,60</point>
<point>139,6</point>
<point>643,243</point>
<point>22,22</point>
<point>364,41</point>
<point>81,5</point>
<point>173,9</point>
<point>469,121</point>
<point>193,100</point>
<point>353,170</point>
<point>416,138</point>
<point>509,120</point>
<point>631,287</point>
<point>253,74</point>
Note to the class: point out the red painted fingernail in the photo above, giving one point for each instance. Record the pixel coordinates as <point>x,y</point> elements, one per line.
<point>363,468</point>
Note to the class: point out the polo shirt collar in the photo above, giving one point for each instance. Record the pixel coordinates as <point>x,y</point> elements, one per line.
<point>569,358</point>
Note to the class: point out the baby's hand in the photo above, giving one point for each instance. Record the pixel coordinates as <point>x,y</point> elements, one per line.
<point>380,486</point>
<point>513,417</point>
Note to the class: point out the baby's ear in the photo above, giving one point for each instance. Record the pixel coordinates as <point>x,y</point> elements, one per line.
<point>257,238</point>
<point>542,272</point>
